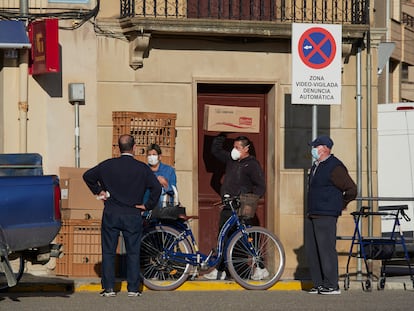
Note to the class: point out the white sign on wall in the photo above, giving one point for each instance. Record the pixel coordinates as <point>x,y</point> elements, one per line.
<point>316,64</point>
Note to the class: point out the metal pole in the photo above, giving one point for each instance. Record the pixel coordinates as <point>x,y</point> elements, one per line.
<point>24,7</point>
<point>359,144</point>
<point>387,65</point>
<point>369,125</point>
<point>77,135</point>
<point>314,121</point>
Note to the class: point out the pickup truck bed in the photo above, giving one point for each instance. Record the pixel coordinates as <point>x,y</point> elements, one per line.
<point>30,211</point>
<point>29,215</point>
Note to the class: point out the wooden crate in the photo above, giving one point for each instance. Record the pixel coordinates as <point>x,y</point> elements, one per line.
<point>147,128</point>
<point>81,241</point>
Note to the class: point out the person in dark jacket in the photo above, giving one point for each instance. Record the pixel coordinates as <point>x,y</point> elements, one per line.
<point>330,189</point>
<point>121,182</point>
<point>243,175</point>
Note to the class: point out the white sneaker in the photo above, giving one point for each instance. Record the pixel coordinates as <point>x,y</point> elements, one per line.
<point>215,275</point>
<point>134,294</point>
<point>107,293</point>
<point>260,274</point>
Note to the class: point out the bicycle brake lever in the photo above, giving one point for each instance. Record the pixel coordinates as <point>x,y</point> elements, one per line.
<point>405,216</point>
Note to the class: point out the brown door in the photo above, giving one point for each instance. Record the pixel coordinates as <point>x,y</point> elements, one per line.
<point>210,171</point>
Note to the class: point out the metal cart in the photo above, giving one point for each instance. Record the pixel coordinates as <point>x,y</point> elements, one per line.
<point>378,248</point>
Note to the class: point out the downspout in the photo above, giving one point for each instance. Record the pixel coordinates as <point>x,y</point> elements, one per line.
<point>23,86</point>
<point>23,104</point>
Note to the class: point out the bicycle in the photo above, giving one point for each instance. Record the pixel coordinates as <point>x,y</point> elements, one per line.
<point>169,252</point>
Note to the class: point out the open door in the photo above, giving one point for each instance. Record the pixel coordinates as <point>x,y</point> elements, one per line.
<point>211,171</point>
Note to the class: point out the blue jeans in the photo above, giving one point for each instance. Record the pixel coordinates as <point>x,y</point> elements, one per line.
<point>127,220</point>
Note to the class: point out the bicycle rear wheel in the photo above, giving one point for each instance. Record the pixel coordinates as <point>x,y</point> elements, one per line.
<point>17,264</point>
<point>160,267</point>
<point>256,261</point>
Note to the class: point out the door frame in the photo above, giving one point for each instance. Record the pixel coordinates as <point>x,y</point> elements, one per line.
<point>274,142</point>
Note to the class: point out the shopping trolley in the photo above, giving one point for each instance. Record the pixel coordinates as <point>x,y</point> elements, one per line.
<point>378,248</point>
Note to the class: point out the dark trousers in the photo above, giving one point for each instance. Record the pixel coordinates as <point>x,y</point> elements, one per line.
<point>128,221</point>
<point>320,245</point>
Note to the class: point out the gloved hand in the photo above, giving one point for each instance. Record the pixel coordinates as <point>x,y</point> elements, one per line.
<point>221,137</point>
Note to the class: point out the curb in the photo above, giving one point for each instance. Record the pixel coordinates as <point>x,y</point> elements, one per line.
<point>87,285</point>
<point>205,286</point>
<point>66,285</point>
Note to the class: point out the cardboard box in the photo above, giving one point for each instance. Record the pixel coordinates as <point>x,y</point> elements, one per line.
<point>78,194</point>
<point>231,119</point>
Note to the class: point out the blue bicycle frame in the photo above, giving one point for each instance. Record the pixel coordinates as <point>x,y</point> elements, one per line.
<point>196,258</point>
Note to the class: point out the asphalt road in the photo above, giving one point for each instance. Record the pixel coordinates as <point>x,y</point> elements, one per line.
<point>211,300</point>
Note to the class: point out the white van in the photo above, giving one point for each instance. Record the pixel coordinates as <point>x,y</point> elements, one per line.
<point>396,160</point>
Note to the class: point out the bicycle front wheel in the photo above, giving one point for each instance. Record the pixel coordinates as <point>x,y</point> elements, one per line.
<point>255,260</point>
<point>161,266</point>
<point>17,264</point>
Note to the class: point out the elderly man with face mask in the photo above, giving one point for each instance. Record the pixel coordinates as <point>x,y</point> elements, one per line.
<point>243,175</point>
<point>330,189</point>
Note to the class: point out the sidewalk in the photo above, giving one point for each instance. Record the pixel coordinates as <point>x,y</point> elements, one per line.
<point>31,283</point>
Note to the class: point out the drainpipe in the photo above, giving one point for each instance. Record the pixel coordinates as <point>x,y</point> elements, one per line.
<point>23,87</point>
<point>23,104</point>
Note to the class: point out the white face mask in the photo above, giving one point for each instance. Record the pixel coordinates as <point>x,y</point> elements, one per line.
<point>152,159</point>
<point>235,154</point>
<point>315,153</point>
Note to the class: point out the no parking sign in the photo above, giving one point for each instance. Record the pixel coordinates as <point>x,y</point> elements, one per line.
<point>316,64</point>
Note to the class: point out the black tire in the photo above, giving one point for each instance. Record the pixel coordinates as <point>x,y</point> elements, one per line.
<point>381,283</point>
<point>268,253</point>
<point>366,286</point>
<point>17,264</point>
<point>159,269</point>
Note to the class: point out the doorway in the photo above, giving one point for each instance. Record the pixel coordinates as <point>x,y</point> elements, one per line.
<point>210,170</point>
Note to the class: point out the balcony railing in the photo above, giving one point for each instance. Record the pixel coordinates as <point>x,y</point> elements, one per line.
<point>282,11</point>
<point>408,20</point>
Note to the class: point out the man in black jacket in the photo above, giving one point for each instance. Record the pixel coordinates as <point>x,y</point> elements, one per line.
<point>121,182</point>
<point>243,175</point>
<point>330,189</point>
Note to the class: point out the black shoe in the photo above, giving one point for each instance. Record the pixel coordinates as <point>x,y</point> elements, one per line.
<point>330,291</point>
<point>315,290</point>
<point>107,293</point>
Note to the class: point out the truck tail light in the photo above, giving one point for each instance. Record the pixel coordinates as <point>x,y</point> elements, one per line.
<point>57,202</point>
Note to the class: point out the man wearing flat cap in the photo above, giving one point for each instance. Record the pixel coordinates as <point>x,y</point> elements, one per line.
<point>330,189</point>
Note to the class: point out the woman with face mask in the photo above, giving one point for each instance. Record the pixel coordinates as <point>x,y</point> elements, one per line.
<point>164,173</point>
<point>243,175</point>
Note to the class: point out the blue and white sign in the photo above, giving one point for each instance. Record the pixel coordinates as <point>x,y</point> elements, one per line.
<point>316,64</point>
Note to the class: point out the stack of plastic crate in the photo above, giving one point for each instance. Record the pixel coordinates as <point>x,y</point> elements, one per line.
<point>147,128</point>
<point>81,240</point>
